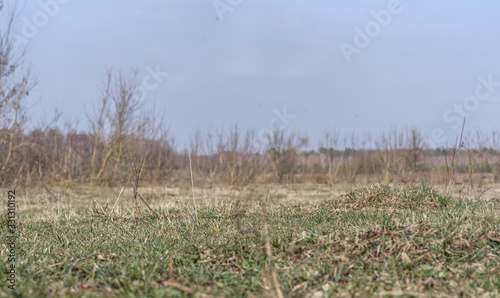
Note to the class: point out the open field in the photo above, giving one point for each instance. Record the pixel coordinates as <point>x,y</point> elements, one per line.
<point>330,149</point>
<point>300,240</point>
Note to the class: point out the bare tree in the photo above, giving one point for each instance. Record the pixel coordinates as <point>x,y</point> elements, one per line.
<point>283,148</point>
<point>213,158</point>
<point>328,146</point>
<point>98,124</point>
<point>115,119</point>
<point>350,166</point>
<point>236,153</point>
<point>232,149</point>
<point>495,148</point>
<point>196,148</point>
<point>16,82</point>
<point>494,141</point>
<point>416,146</point>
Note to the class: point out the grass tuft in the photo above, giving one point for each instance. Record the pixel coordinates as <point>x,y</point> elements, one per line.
<point>407,196</point>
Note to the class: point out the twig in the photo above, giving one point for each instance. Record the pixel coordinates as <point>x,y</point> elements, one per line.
<point>135,190</point>
<point>75,262</point>
<point>192,185</point>
<point>84,258</point>
<point>116,202</point>
<point>199,214</point>
<point>454,157</point>
<point>135,186</point>
<point>137,174</point>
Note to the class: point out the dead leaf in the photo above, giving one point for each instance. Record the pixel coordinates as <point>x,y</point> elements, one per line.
<point>405,258</point>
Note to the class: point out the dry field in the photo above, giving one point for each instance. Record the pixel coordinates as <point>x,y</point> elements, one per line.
<point>257,240</point>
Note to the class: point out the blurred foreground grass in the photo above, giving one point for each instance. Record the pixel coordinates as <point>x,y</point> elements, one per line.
<point>402,240</point>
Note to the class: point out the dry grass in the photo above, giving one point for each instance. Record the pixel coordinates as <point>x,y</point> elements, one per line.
<point>386,196</point>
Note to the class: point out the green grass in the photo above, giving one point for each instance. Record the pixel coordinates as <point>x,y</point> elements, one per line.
<point>407,240</point>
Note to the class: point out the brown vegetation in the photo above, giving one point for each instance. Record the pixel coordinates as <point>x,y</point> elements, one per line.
<point>105,156</point>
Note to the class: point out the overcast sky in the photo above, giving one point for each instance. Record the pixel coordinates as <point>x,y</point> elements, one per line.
<point>308,65</point>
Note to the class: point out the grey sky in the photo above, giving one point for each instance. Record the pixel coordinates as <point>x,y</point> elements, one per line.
<point>416,67</point>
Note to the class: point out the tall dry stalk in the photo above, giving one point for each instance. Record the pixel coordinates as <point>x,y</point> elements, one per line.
<point>135,185</point>
<point>450,165</point>
<point>192,186</point>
